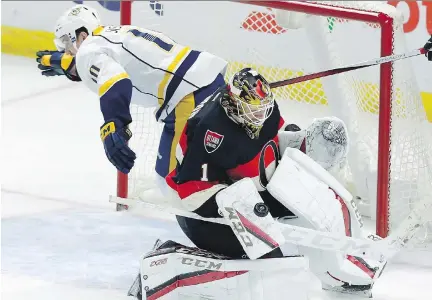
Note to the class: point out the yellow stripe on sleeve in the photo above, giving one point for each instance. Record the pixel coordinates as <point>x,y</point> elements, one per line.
<point>168,75</point>
<point>110,82</point>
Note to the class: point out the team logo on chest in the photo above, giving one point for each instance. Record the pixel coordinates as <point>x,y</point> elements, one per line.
<point>212,141</point>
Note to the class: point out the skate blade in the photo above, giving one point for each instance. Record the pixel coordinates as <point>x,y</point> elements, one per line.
<point>349,292</point>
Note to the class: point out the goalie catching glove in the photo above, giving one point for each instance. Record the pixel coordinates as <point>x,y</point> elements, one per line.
<point>55,63</point>
<point>325,140</point>
<point>115,136</point>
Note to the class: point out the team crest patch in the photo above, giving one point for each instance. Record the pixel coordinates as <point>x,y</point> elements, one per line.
<point>212,141</point>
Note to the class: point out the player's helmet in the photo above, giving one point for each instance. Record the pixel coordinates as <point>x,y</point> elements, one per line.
<point>79,16</point>
<point>250,100</point>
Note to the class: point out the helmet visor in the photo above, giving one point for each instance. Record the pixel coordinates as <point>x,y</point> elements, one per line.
<point>64,43</point>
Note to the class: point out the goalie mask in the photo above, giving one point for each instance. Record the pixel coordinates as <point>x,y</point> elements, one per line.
<point>250,100</point>
<point>79,16</point>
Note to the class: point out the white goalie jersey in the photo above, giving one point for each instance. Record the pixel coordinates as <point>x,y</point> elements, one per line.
<point>162,71</point>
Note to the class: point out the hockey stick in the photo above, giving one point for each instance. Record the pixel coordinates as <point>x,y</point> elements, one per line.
<point>335,71</point>
<point>312,238</point>
<point>293,234</point>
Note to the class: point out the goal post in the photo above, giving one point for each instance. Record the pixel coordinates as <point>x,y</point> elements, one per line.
<point>125,19</point>
<point>389,163</point>
<point>385,94</point>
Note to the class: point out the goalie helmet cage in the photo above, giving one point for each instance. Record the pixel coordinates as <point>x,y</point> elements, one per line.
<point>389,162</point>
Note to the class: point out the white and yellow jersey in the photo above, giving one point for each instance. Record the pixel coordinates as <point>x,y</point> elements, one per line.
<point>162,71</point>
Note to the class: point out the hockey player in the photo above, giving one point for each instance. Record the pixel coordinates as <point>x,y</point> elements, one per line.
<point>127,63</point>
<point>229,167</point>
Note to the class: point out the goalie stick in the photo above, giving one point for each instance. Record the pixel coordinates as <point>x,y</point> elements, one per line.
<point>370,63</point>
<point>385,248</point>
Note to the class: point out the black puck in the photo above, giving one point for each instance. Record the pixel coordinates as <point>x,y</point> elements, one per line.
<point>261,210</point>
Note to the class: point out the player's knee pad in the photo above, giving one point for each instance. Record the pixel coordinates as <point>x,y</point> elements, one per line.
<point>174,271</point>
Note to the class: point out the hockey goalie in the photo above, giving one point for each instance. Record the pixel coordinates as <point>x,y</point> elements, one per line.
<point>239,161</point>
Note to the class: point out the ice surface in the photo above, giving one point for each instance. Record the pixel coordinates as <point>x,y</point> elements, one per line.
<point>61,239</point>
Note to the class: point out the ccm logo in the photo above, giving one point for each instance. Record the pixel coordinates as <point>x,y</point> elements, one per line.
<point>238,227</point>
<point>200,263</point>
<point>158,262</point>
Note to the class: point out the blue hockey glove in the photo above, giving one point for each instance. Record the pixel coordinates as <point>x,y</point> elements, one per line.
<point>115,136</point>
<point>54,63</point>
<point>428,48</point>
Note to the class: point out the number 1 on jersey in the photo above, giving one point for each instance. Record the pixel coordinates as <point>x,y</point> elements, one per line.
<point>204,172</point>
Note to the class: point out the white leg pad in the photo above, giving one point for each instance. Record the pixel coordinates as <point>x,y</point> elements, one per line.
<point>190,273</point>
<point>311,200</point>
<point>303,186</point>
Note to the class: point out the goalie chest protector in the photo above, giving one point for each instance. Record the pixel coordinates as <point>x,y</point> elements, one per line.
<point>228,150</point>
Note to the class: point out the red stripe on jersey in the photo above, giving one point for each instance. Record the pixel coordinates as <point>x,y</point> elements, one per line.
<point>252,168</point>
<point>281,123</point>
<point>169,180</point>
<point>249,169</point>
<point>188,188</point>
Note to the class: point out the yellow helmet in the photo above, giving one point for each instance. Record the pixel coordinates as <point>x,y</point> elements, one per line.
<point>251,100</point>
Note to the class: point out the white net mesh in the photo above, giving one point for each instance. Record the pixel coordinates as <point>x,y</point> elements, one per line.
<point>256,40</point>
<point>145,141</point>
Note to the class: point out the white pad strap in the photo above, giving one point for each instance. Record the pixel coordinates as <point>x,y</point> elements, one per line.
<point>242,206</point>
